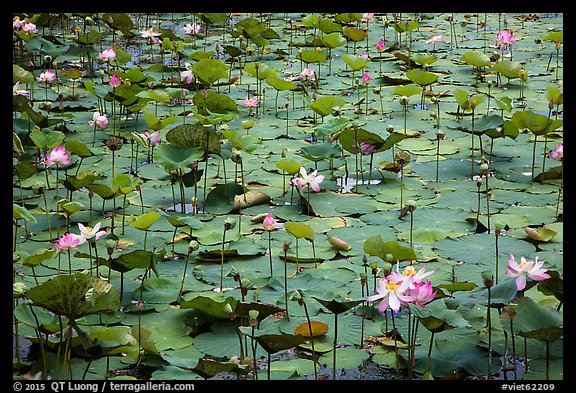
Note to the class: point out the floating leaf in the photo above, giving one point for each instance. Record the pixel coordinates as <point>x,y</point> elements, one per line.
<point>318,329</point>
<point>299,229</point>
<point>65,295</point>
<point>377,247</point>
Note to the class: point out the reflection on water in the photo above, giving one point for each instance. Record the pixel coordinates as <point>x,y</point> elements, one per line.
<point>347,183</point>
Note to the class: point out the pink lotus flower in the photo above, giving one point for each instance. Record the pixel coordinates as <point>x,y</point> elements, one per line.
<point>307,74</point>
<point>107,55</point>
<point>363,55</point>
<point>91,233</point>
<point>367,16</point>
<point>393,293</point>
<point>99,120</point>
<point>153,138</point>
<point>311,180</point>
<point>422,293</point>
<point>410,272</point>
<point>532,269</point>
<point>16,90</point>
<point>366,78</point>
<point>114,81</point>
<point>17,23</point>
<point>150,33</point>
<point>46,77</point>
<point>69,241</point>
<point>29,28</point>
<point>58,156</point>
<point>434,39</point>
<point>505,39</point>
<point>188,74</point>
<point>192,29</point>
<point>250,102</point>
<point>367,148</point>
<point>380,46</point>
<point>557,154</point>
<point>269,223</point>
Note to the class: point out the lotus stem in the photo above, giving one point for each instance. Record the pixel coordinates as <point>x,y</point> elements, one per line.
<point>334,346</point>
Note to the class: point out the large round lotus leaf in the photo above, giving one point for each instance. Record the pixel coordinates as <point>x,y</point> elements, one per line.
<point>317,328</point>
<point>328,204</point>
<point>407,90</point>
<point>194,135</point>
<point>210,303</point>
<point>377,247</point>
<point>174,373</point>
<point>220,200</point>
<point>223,341</point>
<point>334,39</point>
<point>299,230</point>
<point>75,295</point>
<point>312,56</point>
<point>535,321</point>
<point>259,70</point>
<point>208,368</point>
<point>350,139</point>
<point>174,157</point>
<point>183,357</point>
<point>320,151</point>
<point>325,105</point>
<point>480,248</point>
<point>280,84</point>
<point>421,77</point>
<point>346,358</point>
<point>450,356</point>
<point>210,70</point>
<point>476,59</point>
<point>510,69</point>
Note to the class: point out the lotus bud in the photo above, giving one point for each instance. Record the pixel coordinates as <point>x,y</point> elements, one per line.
<point>229,223</point>
<point>228,309</point>
<point>253,315</point>
<point>488,278</point>
<point>374,267</point>
<point>479,182</point>
<point>363,278</point>
<point>295,296</point>
<point>364,259</point>
<point>489,84</point>
<point>245,282</point>
<point>283,154</point>
<point>551,104</point>
<point>386,268</point>
<point>389,257</point>
<point>111,245</point>
<point>193,246</point>
<point>18,289</point>
<point>523,74</point>
<point>232,273</point>
<point>339,244</point>
<point>411,205</point>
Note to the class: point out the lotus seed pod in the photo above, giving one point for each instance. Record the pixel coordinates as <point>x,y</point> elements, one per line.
<point>228,308</point>
<point>295,296</point>
<point>18,289</point>
<point>404,100</point>
<point>193,246</point>
<point>488,278</point>
<point>229,223</point>
<point>389,257</point>
<point>390,128</point>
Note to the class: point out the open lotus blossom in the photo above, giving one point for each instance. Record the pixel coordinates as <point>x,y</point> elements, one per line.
<point>367,16</point>
<point>58,156</point>
<point>191,29</point>
<point>434,39</point>
<point>520,271</point>
<point>114,81</point>
<point>311,180</point>
<point>250,102</point>
<point>91,233</point>
<point>29,28</point>
<point>380,46</point>
<point>69,241</point>
<point>187,74</point>
<point>307,74</point>
<point>269,223</point>
<point>17,91</point>
<point>409,271</point>
<point>557,154</point>
<point>107,55</point>
<point>17,23</point>
<point>392,293</point>
<point>153,138</point>
<point>150,33</point>
<point>505,39</point>
<point>367,148</point>
<point>99,120</point>
<point>46,76</point>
